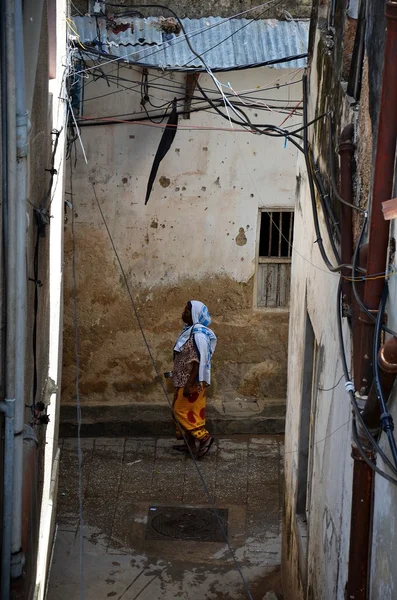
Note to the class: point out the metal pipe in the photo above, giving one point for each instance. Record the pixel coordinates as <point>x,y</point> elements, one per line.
<point>9,232</point>
<point>7,408</point>
<point>17,560</point>
<point>346,153</point>
<point>381,191</point>
<point>360,527</point>
<point>362,492</point>
<point>387,361</point>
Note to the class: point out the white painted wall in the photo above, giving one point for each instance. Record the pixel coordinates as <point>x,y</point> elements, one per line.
<point>384,547</point>
<point>314,289</point>
<point>218,180</point>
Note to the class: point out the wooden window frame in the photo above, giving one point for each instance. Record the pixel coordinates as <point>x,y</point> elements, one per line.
<point>262,260</point>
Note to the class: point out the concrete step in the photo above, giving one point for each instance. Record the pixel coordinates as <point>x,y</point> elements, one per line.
<point>235,416</point>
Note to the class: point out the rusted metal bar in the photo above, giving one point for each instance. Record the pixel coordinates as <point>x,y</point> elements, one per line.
<point>346,153</point>
<point>362,492</point>
<point>360,527</point>
<point>382,190</point>
<point>358,324</point>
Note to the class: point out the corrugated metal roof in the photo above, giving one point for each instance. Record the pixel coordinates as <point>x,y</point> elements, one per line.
<point>224,43</point>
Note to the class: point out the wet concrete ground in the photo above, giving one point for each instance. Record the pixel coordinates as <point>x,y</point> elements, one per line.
<point>123,478</point>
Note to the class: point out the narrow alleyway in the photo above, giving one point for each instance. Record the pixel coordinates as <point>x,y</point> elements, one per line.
<point>131,553</point>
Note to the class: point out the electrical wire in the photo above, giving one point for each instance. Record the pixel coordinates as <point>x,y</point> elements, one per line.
<point>354,279</point>
<point>324,438</point>
<point>184,38</point>
<point>309,168</point>
<point>334,386</point>
<point>77,384</point>
<point>350,389</point>
<point>256,103</point>
<point>166,77</point>
<point>218,85</point>
<point>261,128</point>
<point>386,420</point>
<point>332,171</point>
<point>159,378</point>
<point>237,31</point>
<point>369,462</point>
<point>324,205</point>
<point>165,68</point>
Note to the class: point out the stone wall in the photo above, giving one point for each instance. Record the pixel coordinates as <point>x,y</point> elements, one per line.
<point>208,8</point>
<point>196,239</point>
<point>316,543</point>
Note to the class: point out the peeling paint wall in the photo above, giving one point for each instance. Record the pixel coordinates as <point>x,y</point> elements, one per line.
<point>320,571</point>
<point>223,8</point>
<point>196,238</point>
<point>327,530</point>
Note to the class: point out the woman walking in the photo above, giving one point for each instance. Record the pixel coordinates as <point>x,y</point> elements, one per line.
<point>191,375</point>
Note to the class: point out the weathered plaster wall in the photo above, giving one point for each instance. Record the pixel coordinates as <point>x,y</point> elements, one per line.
<point>224,8</point>
<point>328,526</point>
<point>384,547</point>
<point>331,484</point>
<point>196,238</point>
<point>320,571</point>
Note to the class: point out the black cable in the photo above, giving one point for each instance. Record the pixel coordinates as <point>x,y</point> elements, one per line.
<point>324,205</point>
<point>319,239</point>
<point>349,385</point>
<point>35,315</point>
<point>238,30</point>
<point>95,122</point>
<point>180,86</point>
<point>333,387</point>
<point>187,39</point>
<point>386,420</point>
<point>332,170</point>
<point>160,380</point>
<point>266,63</point>
<point>172,89</point>
<point>354,276</point>
<point>327,208</point>
<point>368,460</point>
<point>263,129</point>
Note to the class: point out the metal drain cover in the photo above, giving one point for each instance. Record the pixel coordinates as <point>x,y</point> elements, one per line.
<point>185,523</point>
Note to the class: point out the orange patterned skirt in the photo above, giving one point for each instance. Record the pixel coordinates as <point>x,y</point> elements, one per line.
<point>190,413</point>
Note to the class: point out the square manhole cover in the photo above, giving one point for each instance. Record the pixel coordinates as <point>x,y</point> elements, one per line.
<point>185,523</point>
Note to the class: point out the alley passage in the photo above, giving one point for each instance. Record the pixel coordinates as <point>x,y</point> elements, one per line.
<point>123,478</point>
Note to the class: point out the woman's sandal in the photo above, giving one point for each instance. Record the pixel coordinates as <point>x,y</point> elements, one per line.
<point>181,448</point>
<point>205,448</point>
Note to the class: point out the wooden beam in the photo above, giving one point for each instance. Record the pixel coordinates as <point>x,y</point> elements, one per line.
<point>191,80</point>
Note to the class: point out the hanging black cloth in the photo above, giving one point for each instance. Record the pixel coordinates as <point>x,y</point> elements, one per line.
<point>165,144</point>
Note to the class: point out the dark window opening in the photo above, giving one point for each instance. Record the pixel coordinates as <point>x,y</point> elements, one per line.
<point>276,234</point>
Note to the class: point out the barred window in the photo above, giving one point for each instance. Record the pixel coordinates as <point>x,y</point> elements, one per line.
<point>274,258</point>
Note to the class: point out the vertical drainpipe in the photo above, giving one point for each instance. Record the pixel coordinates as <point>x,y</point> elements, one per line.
<point>360,527</point>
<point>382,190</point>
<point>362,492</point>
<point>9,216</point>
<point>346,153</point>
<point>17,557</point>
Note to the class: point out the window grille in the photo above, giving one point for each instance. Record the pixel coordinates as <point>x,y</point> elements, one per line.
<point>274,260</point>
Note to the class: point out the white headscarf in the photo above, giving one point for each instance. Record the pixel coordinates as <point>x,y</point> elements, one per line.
<point>204,338</point>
